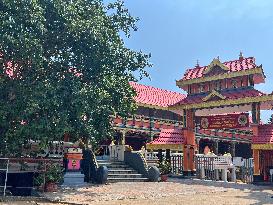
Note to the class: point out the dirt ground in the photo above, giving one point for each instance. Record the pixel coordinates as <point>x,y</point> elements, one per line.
<point>176,191</point>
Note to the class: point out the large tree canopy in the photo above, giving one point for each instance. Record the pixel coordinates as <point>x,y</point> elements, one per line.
<point>64,68</point>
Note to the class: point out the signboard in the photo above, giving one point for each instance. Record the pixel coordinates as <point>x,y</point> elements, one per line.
<point>225,121</point>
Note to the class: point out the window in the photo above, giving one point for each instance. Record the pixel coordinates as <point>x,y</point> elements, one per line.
<point>217,85</point>
<point>201,88</point>
<point>242,82</point>
<point>234,84</point>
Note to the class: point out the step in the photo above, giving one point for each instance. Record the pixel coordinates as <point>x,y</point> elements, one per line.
<point>103,160</point>
<point>153,164</point>
<point>122,171</point>
<point>73,175</point>
<point>113,180</point>
<point>115,163</point>
<point>109,161</point>
<point>133,176</point>
<point>115,166</point>
<point>119,168</point>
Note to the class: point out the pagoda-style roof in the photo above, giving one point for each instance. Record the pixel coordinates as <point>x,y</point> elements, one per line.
<point>149,96</point>
<point>230,69</point>
<point>265,138</point>
<point>168,139</point>
<point>228,97</point>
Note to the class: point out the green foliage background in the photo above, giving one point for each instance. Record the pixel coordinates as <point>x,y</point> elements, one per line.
<point>70,69</point>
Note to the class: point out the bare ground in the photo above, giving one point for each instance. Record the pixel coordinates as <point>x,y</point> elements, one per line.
<point>175,191</point>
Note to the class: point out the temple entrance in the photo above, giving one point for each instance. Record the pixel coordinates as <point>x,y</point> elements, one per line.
<point>136,141</point>
<point>221,96</point>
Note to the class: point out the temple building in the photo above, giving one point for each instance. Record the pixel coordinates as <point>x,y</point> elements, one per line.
<point>220,96</point>
<point>153,119</point>
<point>221,111</point>
<point>151,116</point>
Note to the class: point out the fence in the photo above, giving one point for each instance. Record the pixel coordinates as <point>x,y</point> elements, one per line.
<point>247,170</point>
<point>176,160</point>
<point>209,167</point>
<point>177,163</point>
<point>205,167</point>
<point>13,166</point>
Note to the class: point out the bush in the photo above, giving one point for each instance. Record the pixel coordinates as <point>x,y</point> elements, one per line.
<point>54,173</point>
<point>165,167</point>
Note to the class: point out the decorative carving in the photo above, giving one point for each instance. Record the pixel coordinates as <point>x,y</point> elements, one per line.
<point>225,102</point>
<point>215,63</point>
<point>213,94</point>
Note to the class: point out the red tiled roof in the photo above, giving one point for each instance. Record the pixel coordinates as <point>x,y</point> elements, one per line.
<point>155,96</point>
<point>229,94</point>
<point>170,137</point>
<point>265,135</point>
<point>235,65</point>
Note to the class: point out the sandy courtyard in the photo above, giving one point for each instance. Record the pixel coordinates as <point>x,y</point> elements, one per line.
<point>172,192</point>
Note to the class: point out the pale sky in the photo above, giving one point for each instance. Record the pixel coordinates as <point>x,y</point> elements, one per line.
<point>178,32</point>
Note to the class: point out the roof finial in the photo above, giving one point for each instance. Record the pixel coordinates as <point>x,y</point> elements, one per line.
<point>241,57</point>
<point>197,64</point>
<point>218,58</point>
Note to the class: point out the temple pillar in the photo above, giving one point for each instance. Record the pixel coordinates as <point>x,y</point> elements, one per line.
<point>122,139</point>
<point>168,155</point>
<point>188,148</point>
<point>216,146</point>
<point>197,142</point>
<point>256,159</point>
<point>232,150</point>
<point>159,155</point>
<point>255,129</point>
<point>256,113</point>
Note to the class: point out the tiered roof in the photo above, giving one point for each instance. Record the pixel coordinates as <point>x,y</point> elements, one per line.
<point>168,139</point>
<point>155,97</point>
<point>233,66</point>
<point>227,97</point>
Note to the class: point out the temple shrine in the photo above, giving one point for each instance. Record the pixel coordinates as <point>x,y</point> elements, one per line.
<point>222,89</point>
<point>153,123</point>
<point>214,113</point>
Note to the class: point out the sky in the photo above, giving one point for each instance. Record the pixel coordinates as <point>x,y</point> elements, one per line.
<point>177,33</point>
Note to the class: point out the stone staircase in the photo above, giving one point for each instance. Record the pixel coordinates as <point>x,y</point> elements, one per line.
<point>120,172</point>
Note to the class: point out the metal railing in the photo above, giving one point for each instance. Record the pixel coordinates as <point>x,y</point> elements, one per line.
<point>5,168</point>
<point>20,165</point>
<point>177,163</point>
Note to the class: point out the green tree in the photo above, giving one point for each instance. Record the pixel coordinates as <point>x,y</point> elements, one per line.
<point>64,68</point>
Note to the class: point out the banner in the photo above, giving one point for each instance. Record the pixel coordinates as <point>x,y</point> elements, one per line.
<point>231,121</point>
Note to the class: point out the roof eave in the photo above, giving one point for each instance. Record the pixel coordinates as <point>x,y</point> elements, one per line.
<point>226,102</point>
<point>257,70</point>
